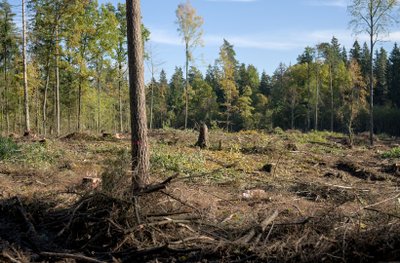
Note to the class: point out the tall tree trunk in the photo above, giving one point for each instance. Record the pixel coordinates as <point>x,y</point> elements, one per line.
<point>292,106</point>
<point>331,90</point>
<point>37,111</point>
<point>187,86</point>
<point>151,102</point>
<point>309,97</point>
<point>58,111</point>
<point>98,98</point>
<point>6,91</point>
<point>371,87</point>
<point>79,104</point>
<point>46,89</point>
<point>140,153</point>
<point>316,101</point>
<point>26,95</point>
<point>121,128</point>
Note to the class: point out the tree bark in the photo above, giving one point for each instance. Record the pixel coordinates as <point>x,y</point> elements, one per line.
<point>46,88</point>
<point>331,90</point>
<point>371,80</point>
<point>120,97</point>
<point>6,91</point>
<point>58,112</point>
<point>79,103</point>
<point>316,101</point>
<point>140,154</point>
<point>309,97</point>
<point>98,122</point>
<point>26,95</point>
<point>186,86</point>
<point>202,141</point>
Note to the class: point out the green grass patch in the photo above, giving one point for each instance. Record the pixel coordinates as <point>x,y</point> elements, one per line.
<point>177,160</point>
<point>392,153</point>
<point>8,148</point>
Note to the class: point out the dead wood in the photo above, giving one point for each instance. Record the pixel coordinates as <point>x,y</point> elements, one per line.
<point>32,233</point>
<point>381,212</point>
<point>72,256</point>
<point>202,141</point>
<point>155,187</point>
<point>260,229</point>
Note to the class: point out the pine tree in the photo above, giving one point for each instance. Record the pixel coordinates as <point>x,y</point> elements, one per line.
<point>8,53</point>
<point>175,98</point>
<point>307,58</point>
<point>228,80</point>
<point>139,141</point>
<point>355,52</point>
<point>380,72</point>
<point>394,76</point>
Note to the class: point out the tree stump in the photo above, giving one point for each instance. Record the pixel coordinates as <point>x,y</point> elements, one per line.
<point>202,141</point>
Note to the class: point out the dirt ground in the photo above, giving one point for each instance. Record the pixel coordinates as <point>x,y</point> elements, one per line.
<point>249,197</point>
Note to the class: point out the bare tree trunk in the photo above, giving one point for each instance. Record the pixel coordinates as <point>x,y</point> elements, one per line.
<point>120,98</point>
<point>58,112</point>
<point>187,86</point>
<point>309,96</point>
<point>79,104</point>
<point>37,110</point>
<point>331,89</point>
<point>26,95</point>
<point>140,154</point>
<point>151,103</point>
<point>316,101</point>
<point>371,89</point>
<point>46,88</point>
<point>98,99</point>
<point>202,141</point>
<point>6,91</point>
<point>292,106</point>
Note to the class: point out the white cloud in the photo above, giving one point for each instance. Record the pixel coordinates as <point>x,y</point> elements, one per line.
<point>165,37</point>
<point>283,41</point>
<point>332,3</point>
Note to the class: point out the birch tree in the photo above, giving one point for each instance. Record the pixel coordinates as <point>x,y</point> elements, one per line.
<point>373,17</point>
<point>189,27</point>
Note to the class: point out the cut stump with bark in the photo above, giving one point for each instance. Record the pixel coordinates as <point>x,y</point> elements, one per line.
<point>202,141</point>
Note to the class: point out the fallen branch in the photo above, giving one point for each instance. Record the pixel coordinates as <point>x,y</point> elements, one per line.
<point>73,256</point>
<point>155,187</point>
<point>192,239</point>
<point>71,218</point>
<point>381,212</point>
<point>33,235</point>
<point>263,226</point>
<point>13,260</point>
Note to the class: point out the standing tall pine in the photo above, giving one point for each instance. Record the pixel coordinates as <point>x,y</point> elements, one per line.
<point>140,154</point>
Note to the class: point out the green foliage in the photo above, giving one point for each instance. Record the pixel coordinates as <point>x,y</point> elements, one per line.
<point>7,148</point>
<point>177,160</point>
<point>392,153</point>
<point>37,154</point>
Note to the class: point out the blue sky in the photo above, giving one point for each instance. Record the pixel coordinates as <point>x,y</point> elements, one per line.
<point>263,32</point>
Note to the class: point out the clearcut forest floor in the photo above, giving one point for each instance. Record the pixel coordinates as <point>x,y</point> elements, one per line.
<point>249,197</point>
